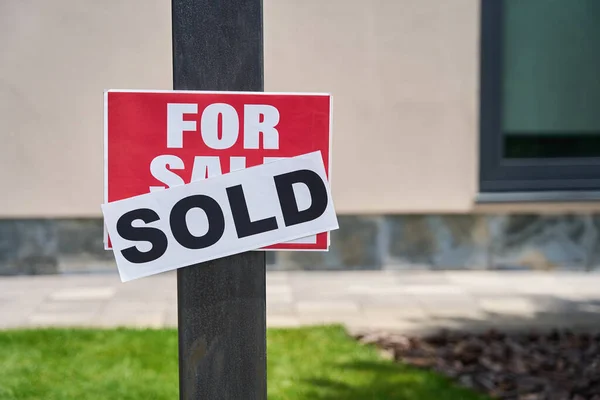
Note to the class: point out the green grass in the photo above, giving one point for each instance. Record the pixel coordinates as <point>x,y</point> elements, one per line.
<point>317,363</point>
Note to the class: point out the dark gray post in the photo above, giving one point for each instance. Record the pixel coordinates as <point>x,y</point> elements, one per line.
<point>218,45</point>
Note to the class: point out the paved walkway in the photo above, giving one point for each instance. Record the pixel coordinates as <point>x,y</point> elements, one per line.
<point>400,300</point>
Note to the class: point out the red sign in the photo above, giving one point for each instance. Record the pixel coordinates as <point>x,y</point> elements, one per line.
<point>159,139</point>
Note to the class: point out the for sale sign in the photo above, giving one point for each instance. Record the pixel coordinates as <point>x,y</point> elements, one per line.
<point>161,139</point>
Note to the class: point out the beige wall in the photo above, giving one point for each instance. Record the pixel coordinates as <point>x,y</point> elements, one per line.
<point>403,74</point>
<point>56,58</point>
<point>404,79</point>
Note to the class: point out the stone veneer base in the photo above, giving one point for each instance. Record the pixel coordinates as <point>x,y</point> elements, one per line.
<point>435,242</point>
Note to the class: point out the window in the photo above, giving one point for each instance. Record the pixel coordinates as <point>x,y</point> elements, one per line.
<point>540,96</point>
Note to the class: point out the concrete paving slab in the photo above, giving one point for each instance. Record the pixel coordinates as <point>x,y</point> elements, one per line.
<point>394,300</point>
<point>282,321</point>
<point>83,293</point>
<point>327,307</point>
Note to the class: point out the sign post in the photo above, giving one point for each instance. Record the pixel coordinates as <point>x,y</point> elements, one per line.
<point>218,45</point>
<point>268,156</point>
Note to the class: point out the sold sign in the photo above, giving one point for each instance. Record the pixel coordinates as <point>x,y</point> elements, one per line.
<point>232,213</point>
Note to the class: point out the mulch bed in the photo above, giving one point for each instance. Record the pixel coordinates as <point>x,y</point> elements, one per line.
<point>559,365</point>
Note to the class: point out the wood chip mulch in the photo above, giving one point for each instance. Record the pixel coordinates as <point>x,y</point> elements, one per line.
<point>559,365</point>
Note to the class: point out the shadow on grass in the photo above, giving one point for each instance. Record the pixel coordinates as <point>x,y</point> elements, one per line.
<point>385,381</point>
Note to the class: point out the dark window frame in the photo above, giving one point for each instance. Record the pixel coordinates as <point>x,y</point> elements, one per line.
<point>496,173</point>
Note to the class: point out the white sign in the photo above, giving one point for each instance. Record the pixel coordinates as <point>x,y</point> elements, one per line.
<point>228,214</point>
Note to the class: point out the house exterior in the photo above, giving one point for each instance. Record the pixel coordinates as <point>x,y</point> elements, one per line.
<point>466,132</point>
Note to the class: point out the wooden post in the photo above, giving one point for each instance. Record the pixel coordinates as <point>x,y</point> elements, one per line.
<point>218,45</point>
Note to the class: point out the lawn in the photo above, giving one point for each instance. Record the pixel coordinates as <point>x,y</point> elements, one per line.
<point>316,363</point>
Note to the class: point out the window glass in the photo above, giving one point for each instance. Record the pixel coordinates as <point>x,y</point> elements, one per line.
<point>551,78</point>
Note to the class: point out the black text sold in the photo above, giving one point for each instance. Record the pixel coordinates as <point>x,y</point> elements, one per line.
<point>241,211</point>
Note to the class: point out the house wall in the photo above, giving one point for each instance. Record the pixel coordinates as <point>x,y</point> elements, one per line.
<point>56,59</point>
<point>404,76</point>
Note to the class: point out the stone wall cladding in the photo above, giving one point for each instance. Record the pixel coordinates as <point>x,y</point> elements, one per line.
<point>440,242</point>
